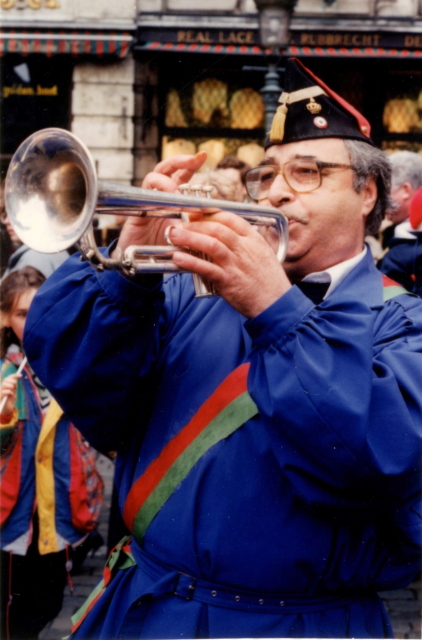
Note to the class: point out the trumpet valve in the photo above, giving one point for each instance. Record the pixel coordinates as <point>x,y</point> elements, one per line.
<point>207,189</point>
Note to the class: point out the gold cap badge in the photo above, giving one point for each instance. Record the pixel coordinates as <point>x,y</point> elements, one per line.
<point>313,106</point>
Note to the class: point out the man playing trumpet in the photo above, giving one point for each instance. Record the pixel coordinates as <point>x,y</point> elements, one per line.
<point>268,439</point>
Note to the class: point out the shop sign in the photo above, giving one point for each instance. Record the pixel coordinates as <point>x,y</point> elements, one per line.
<point>361,39</point>
<point>35,94</point>
<point>193,36</point>
<point>250,37</point>
<point>22,90</point>
<point>23,81</point>
<point>246,37</point>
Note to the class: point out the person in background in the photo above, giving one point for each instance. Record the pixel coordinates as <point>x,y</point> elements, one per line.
<point>403,260</point>
<point>22,256</point>
<point>406,180</point>
<point>268,439</point>
<point>236,169</point>
<point>51,492</point>
<point>225,185</point>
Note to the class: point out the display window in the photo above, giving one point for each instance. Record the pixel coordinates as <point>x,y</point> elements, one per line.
<point>402,113</point>
<point>216,112</point>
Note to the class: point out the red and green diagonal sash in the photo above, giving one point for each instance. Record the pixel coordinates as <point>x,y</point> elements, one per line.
<point>227,409</point>
<point>391,288</point>
<point>120,558</point>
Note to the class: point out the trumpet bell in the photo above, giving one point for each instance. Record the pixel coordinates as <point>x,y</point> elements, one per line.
<point>51,190</point>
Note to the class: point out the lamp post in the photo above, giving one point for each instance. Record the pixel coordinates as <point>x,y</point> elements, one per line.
<point>270,93</point>
<point>274,20</point>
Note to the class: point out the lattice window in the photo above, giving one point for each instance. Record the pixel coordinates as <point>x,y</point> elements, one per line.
<point>216,114</point>
<point>250,150</point>
<point>214,103</point>
<point>402,114</point>
<point>403,107</point>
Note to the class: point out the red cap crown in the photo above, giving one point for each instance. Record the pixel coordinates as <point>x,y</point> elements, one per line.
<point>415,209</point>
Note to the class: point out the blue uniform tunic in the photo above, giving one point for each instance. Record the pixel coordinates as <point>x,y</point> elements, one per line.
<point>289,526</point>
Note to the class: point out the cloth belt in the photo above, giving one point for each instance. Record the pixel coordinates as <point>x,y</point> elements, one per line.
<point>169,581</point>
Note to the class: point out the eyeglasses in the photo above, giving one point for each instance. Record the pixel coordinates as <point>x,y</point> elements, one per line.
<point>302,175</point>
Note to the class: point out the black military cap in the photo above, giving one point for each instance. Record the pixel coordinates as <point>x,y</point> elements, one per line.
<point>310,109</point>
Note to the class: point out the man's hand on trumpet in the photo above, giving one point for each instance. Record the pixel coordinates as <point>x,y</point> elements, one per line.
<point>244,268</point>
<point>167,176</point>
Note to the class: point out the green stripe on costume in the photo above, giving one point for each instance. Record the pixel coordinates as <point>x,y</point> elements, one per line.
<point>393,291</point>
<point>120,558</point>
<point>224,424</point>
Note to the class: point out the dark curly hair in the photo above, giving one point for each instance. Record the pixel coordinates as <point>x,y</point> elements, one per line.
<point>11,286</point>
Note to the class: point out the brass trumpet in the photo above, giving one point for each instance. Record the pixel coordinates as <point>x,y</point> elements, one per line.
<point>52,194</point>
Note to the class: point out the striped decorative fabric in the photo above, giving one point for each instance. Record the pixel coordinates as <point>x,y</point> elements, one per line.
<point>227,409</point>
<point>391,288</point>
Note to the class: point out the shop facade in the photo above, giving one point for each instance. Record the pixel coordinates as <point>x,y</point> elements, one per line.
<point>200,77</point>
<point>67,63</point>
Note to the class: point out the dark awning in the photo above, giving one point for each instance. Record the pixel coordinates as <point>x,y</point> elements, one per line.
<point>74,43</point>
<point>345,52</point>
<point>354,52</point>
<point>200,48</point>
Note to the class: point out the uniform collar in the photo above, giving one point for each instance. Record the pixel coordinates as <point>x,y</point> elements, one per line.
<point>362,283</point>
<point>336,274</point>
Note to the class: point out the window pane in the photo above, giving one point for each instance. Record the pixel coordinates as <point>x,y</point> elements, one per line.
<point>249,150</point>
<point>214,103</point>
<point>403,107</point>
<point>247,109</point>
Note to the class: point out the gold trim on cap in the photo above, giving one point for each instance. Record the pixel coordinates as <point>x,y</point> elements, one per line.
<point>277,128</point>
<point>301,94</point>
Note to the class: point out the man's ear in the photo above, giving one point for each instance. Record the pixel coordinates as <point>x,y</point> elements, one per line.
<point>369,195</point>
<point>406,191</point>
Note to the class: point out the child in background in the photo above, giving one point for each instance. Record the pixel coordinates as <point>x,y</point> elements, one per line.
<point>51,492</point>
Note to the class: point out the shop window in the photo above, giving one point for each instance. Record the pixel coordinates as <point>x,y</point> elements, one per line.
<point>216,115</point>
<point>250,150</point>
<point>247,109</point>
<point>402,114</point>
<point>211,103</point>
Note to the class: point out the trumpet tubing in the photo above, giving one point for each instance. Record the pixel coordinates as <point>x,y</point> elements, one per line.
<point>52,194</point>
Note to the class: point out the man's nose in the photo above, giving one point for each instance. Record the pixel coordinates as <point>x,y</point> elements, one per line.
<point>280,193</point>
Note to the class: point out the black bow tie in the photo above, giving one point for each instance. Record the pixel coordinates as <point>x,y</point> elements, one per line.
<point>315,291</point>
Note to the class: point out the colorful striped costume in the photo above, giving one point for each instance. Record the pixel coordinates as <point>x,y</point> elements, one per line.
<point>46,465</point>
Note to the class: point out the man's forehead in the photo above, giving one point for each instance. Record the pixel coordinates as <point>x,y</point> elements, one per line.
<point>327,149</point>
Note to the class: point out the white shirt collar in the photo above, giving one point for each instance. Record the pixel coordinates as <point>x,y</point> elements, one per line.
<point>404,230</point>
<point>334,275</point>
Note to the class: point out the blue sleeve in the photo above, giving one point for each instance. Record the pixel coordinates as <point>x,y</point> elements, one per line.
<point>339,385</point>
<point>105,343</point>
<point>399,264</point>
